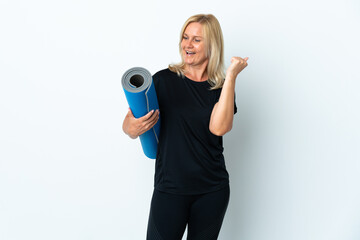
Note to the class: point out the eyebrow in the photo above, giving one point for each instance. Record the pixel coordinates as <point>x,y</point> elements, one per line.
<point>194,36</point>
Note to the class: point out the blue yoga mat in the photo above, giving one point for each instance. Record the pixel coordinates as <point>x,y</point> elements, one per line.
<point>141,96</point>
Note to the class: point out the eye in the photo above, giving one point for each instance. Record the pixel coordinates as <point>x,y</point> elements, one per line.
<point>185,37</point>
<point>197,40</point>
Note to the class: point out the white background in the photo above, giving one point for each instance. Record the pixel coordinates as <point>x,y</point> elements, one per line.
<point>67,171</point>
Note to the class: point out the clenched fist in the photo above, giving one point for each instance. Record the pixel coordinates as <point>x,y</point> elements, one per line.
<point>236,66</point>
<point>134,127</point>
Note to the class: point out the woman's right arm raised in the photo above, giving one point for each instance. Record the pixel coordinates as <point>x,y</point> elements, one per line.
<point>134,127</point>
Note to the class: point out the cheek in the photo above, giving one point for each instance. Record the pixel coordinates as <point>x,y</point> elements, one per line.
<point>201,49</point>
<point>182,44</point>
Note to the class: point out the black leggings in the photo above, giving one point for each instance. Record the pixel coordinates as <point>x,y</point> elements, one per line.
<point>203,213</point>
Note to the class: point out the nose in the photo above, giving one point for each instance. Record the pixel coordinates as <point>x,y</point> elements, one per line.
<point>188,44</point>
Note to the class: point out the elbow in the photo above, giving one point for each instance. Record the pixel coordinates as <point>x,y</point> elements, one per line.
<point>127,132</point>
<point>220,131</point>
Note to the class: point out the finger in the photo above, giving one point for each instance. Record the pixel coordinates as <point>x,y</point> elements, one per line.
<point>152,123</point>
<point>149,125</point>
<point>147,116</point>
<point>154,116</point>
<point>145,122</point>
<point>239,59</point>
<point>150,119</point>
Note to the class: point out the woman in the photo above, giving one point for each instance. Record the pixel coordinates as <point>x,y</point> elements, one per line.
<point>197,104</point>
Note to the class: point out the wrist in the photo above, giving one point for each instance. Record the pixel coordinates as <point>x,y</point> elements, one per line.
<point>230,80</point>
<point>230,76</point>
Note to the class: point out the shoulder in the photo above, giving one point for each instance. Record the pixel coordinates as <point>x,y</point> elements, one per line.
<point>164,73</point>
<point>163,76</point>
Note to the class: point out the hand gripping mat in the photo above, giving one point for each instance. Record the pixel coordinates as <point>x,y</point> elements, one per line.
<point>141,96</point>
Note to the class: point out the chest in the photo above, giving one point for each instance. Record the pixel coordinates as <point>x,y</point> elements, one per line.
<point>182,95</point>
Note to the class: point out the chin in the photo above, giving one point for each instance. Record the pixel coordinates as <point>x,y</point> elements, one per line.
<point>189,62</point>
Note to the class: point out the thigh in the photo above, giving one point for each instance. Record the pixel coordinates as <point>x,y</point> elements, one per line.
<point>168,216</point>
<point>207,214</point>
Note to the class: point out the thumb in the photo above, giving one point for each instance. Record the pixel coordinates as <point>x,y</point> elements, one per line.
<point>245,59</point>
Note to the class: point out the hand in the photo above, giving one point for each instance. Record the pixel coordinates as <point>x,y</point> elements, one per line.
<point>134,127</point>
<point>236,66</point>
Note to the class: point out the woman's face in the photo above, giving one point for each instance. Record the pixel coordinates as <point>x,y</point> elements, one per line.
<point>193,46</point>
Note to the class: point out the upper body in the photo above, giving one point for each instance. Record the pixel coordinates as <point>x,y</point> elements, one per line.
<point>202,115</point>
<point>189,156</point>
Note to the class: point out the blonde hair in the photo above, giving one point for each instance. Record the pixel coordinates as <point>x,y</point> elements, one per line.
<point>214,44</point>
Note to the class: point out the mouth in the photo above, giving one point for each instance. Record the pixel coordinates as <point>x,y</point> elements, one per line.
<point>189,53</point>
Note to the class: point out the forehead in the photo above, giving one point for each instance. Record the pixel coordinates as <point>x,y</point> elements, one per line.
<point>194,29</point>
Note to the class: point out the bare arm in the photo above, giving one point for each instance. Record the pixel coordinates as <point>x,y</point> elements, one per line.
<point>222,115</point>
<point>134,127</point>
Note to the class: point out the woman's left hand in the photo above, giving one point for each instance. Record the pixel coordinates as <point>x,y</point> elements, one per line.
<point>236,66</point>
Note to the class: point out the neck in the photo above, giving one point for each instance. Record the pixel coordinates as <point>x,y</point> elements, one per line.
<point>197,73</point>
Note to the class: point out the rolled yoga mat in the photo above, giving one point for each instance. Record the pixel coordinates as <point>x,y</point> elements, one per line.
<point>141,96</point>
